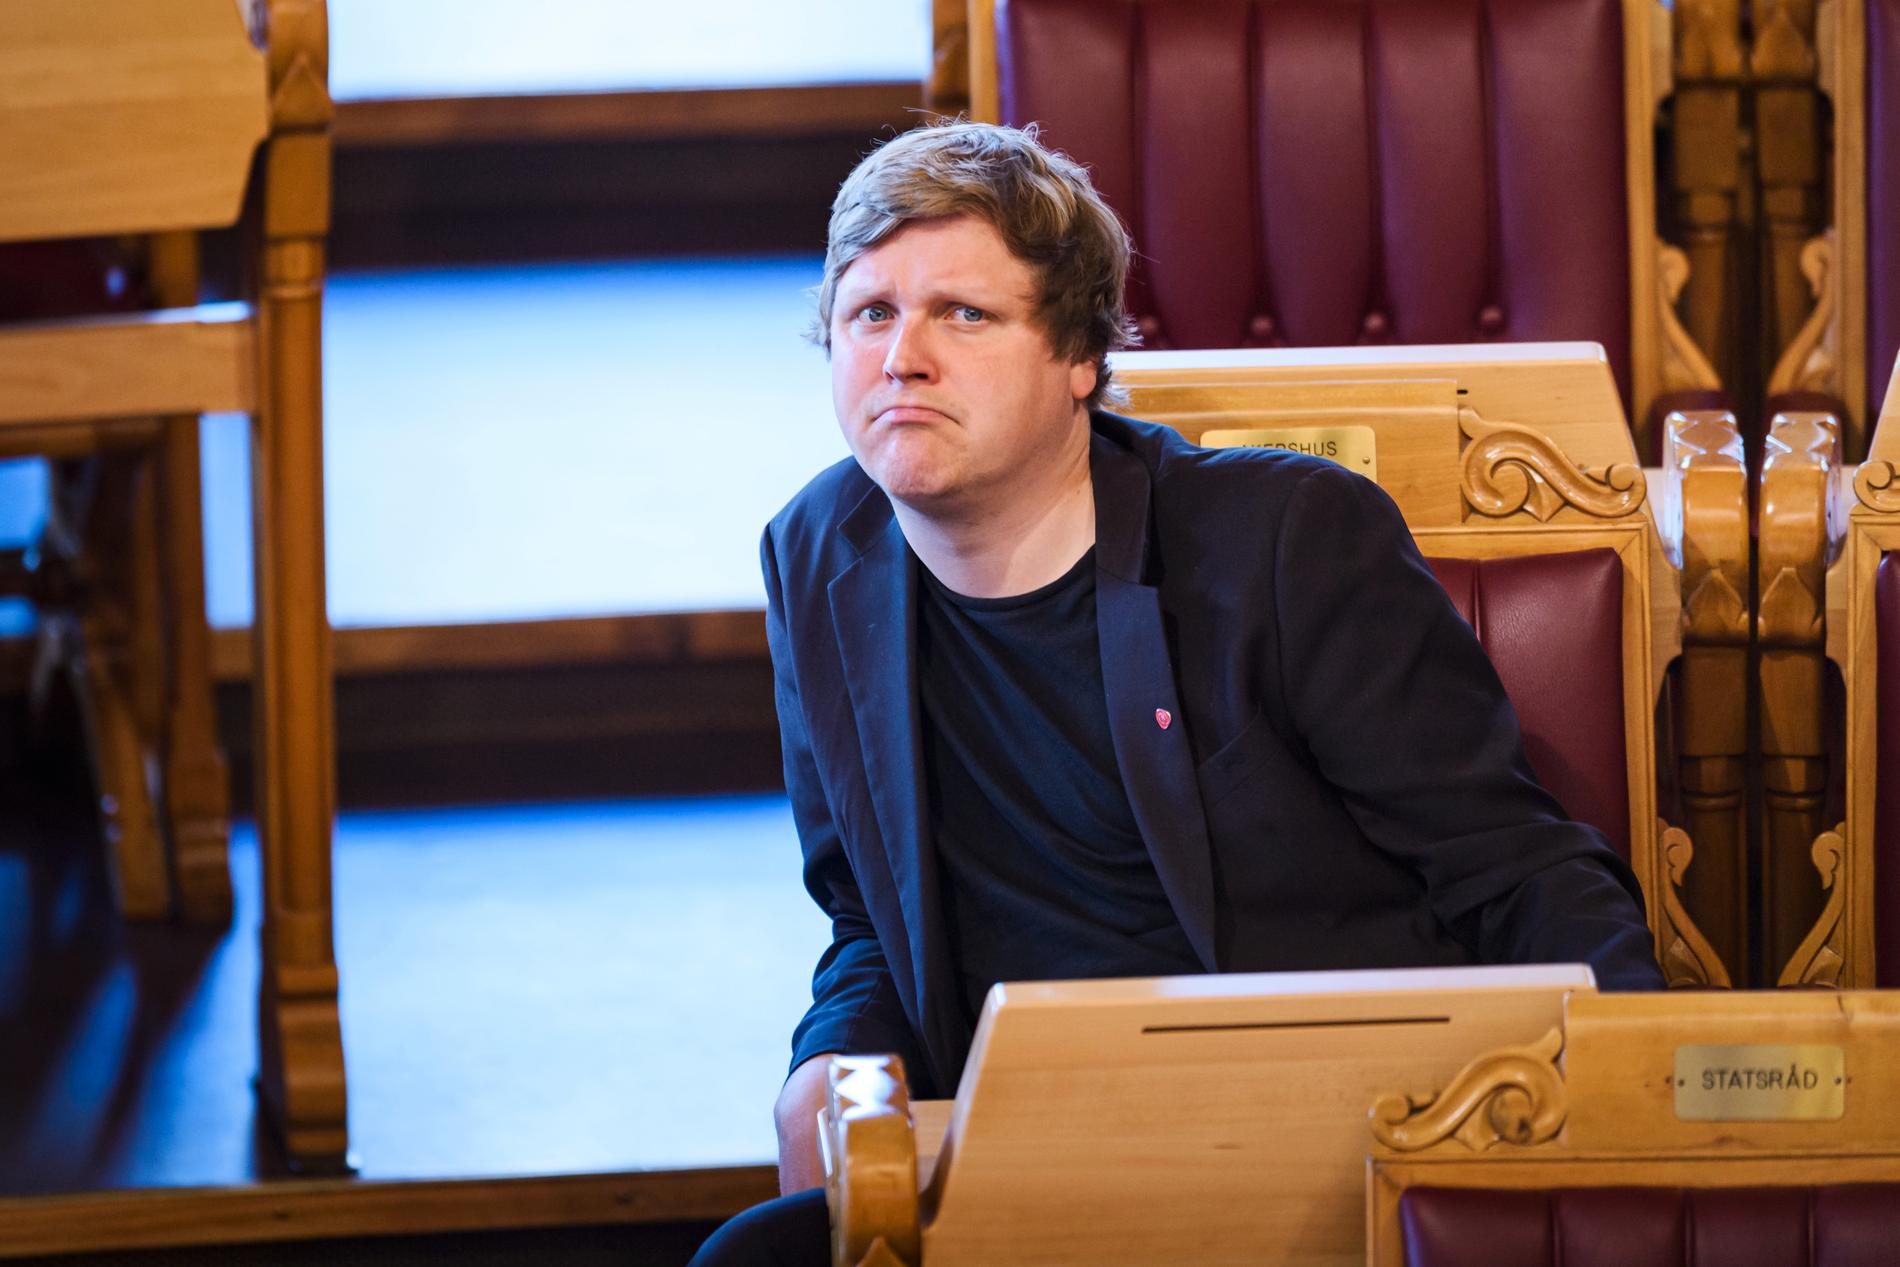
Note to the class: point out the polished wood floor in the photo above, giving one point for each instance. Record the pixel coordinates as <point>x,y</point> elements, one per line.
<point>535,990</point>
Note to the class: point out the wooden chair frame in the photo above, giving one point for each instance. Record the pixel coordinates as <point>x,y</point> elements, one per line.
<point>1839,948</point>
<point>1531,456</point>
<point>1592,1105</point>
<point>89,158</point>
<point>1664,358</point>
<point>1829,352</point>
<point>1801,522</point>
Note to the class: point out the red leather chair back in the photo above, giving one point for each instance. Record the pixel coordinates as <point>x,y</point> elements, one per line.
<point>1553,627</point>
<point>1849,1225</point>
<point>1887,788</point>
<point>1328,172</point>
<point>1883,197</point>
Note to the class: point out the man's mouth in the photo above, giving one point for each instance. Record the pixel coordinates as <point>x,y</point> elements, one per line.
<point>899,415</point>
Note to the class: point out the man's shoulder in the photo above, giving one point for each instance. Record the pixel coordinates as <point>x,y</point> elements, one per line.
<point>827,499</point>
<point>1185,472</point>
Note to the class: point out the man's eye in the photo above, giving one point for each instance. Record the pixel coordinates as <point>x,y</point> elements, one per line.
<point>874,312</point>
<point>967,313</point>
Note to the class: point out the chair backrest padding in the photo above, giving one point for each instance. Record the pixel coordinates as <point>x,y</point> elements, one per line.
<point>1818,1226</point>
<point>1883,197</point>
<point>1887,790</point>
<point>1552,625</point>
<point>1348,171</point>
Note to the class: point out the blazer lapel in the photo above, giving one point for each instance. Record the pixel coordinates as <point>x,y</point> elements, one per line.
<point>874,611</point>
<point>1144,712</point>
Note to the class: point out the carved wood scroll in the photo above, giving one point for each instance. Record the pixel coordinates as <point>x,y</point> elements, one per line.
<point>1820,957</point>
<point>1685,367</point>
<point>1510,468</point>
<point>870,1164</point>
<point>1878,487</point>
<point>1687,957</point>
<point>1510,1096</point>
<point>1811,361</point>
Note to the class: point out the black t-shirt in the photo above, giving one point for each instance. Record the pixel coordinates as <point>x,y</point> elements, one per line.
<point>1045,875</point>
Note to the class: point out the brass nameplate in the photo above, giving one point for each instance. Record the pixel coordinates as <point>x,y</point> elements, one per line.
<point>1759,1083</point>
<point>1355,448</point>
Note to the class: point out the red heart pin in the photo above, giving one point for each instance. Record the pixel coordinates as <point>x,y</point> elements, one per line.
<point>1163,718</point>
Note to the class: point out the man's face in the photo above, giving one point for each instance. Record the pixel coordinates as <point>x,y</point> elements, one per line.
<point>944,383</point>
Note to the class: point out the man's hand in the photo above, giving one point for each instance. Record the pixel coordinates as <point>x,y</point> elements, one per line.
<point>796,1115</point>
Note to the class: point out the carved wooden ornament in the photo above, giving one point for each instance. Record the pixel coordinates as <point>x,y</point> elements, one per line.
<point>1812,358</point>
<point>1510,468</point>
<point>1687,957</point>
<point>1876,486</point>
<point>1820,957</point>
<point>1511,1096</point>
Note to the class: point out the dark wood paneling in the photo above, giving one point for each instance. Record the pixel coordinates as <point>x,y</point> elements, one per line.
<point>601,175</point>
<point>800,110</point>
<point>423,737</point>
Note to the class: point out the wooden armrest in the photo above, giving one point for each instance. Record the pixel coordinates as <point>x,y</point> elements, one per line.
<point>1703,518</point>
<point>869,1149</point>
<point>1802,526</point>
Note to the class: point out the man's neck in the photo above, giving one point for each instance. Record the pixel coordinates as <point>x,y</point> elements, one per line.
<point>1009,547</point>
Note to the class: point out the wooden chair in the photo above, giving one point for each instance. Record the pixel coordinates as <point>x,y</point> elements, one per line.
<point>1855,940</point>
<point>1514,451</point>
<point>1655,1129</point>
<point>1830,381</point>
<point>1208,1120</point>
<point>117,576</point>
<point>1246,164</point>
<point>144,117</point>
<point>1299,176</point>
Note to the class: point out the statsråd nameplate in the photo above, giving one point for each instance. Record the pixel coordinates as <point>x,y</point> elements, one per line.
<point>1806,1082</point>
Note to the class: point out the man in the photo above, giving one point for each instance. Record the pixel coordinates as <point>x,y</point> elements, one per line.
<point>1065,696</point>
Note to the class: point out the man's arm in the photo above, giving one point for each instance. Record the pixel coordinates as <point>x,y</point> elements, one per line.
<point>855,1005</point>
<point>1403,713</point>
<point>796,1117</point>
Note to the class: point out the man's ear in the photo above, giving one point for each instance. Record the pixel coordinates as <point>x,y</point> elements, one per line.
<point>1082,376</point>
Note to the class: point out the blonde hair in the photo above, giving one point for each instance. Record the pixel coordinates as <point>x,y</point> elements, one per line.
<point>1039,200</point>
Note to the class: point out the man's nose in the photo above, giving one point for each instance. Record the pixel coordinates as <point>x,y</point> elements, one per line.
<point>910,357</point>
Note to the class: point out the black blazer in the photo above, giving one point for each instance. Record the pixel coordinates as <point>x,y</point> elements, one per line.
<point>1340,785</point>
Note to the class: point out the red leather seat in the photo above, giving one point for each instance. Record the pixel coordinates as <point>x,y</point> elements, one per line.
<point>1552,623</point>
<point>1848,1225</point>
<point>1326,172</point>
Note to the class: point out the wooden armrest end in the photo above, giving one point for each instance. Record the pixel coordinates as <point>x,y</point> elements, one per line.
<point>870,1154</point>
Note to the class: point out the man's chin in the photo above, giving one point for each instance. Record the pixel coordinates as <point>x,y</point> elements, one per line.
<point>924,491</point>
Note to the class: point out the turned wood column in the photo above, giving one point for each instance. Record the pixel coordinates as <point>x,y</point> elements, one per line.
<point>301,1059</point>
